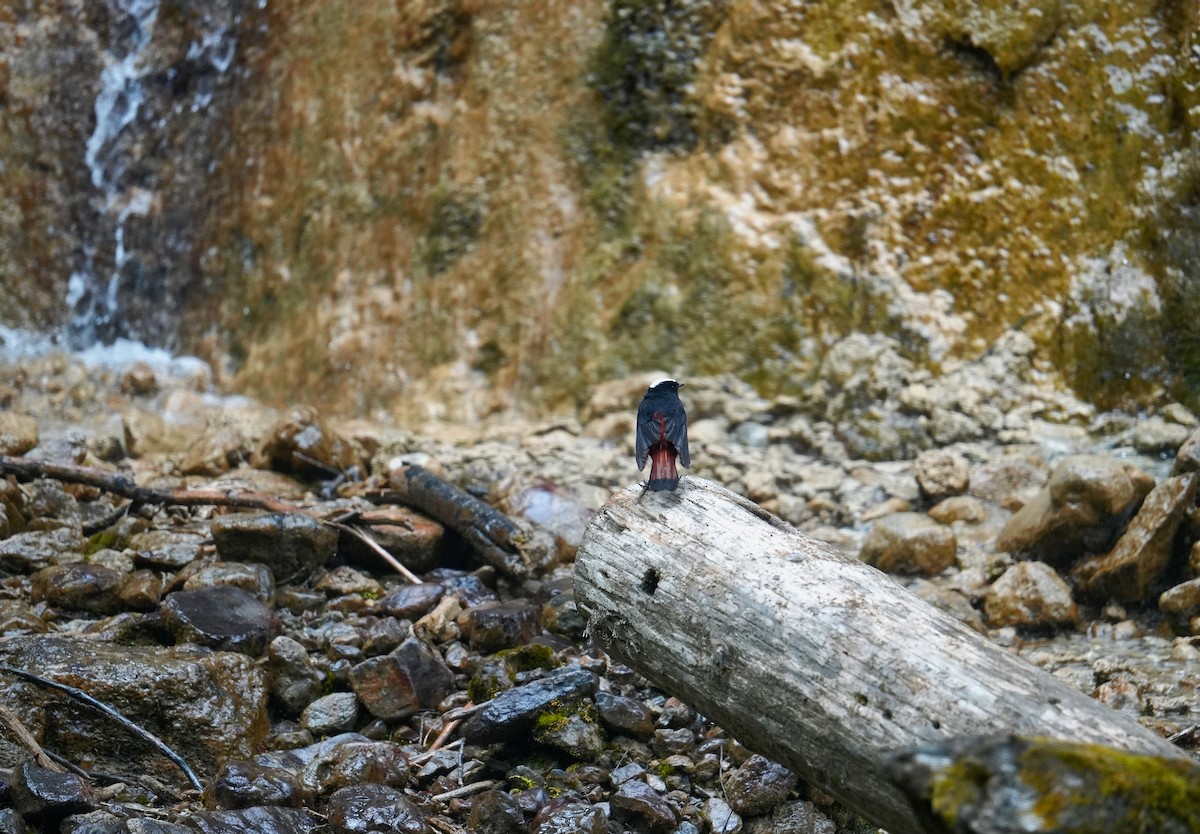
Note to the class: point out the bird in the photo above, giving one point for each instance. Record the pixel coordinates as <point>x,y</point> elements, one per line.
<point>662,434</point>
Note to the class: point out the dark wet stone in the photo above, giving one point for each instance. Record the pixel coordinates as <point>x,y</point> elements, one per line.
<point>676,713</point>
<point>167,549</point>
<point>18,617</point>
<point>49,506</point>
<point>758,786</point>
<point>1131,571</point>
<point>251,577</point>
<point>384,635</point>
<point>93,822</point>
<point>261,820</point>
<point>910,543</point>
<point>141,590</point>
<point>722,819</point>
<point>796,817</point>
<point>243,784</point>
<point>409,602</point>
<point>635,801</point>
<point>36,549</point>
<point>342,761</point>
<point>414,540</point>
<point>561,615</point>
<point>344,580</point>
<point>666,742</point>
<point>374,808</point>
<point>511,714</point>
<point>502,626</point>
<point>496,812</point>
<point>571,817</point>
<point>1087,500</point>
<point>574,730</point>
<point>11,822</point>
<point>292,545</point>
<point>45,797</point>
<point>153,826</point>
<point>295,682</point>
<point>220,617</point>
<point>301,443</point>
<point>209,705</point>
<point>627,716</point>
<point>334,713</point>
<point>467,587</point>
<point>79,587</point>
<point>1030,596</point>
<point>398,684</point>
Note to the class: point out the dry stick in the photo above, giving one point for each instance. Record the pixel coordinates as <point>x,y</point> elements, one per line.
<point>377,548</point>
<point>9,720</point>
<point>124,486</point>
<point>80,695</point>
<point>465,790</point>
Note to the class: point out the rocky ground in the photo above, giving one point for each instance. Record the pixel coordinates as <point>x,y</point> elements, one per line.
<point>309,686</point>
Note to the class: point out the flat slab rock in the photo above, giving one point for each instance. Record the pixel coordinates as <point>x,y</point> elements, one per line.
<point>209,706</point>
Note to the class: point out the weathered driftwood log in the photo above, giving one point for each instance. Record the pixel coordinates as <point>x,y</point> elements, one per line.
<point>805,655</point>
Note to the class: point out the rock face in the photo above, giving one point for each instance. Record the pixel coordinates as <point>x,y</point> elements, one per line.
<point>612,163</point>
<point>1030,596</point>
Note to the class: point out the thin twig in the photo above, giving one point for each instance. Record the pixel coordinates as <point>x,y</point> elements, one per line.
<point>443,736</point>
<point>377,548</point>
<point>80,695</point>
<point>21,733</point>
<point>465,790</point>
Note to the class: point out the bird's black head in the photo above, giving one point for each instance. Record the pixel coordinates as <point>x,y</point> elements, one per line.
<point>665,385</point>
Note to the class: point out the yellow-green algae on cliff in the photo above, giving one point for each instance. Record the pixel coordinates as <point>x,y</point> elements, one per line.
<point>468,205</point>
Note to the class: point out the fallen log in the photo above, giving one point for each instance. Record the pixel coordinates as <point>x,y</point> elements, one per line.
<point>804,654</point>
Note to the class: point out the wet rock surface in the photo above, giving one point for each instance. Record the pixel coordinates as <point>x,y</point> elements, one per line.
<point>312,688</point>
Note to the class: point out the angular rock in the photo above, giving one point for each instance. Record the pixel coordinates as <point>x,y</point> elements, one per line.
<point>46,797</point>
<point>18,433</point>
<point>409,602</point>
<point>909,543</point>
<point>570,817</point>
<point>1030,596</point>
<point>398,684</point>
<point>146,825</point>
<point>627,716</point>
<point>637,802</point>
<point>292,545</point>
<point>221,617</point>
<point>79,587</point>
<point>561,615</point>
<point>573,729</point>
<point>216,452</point>
<point>415,540</point>
<point>295,682</point>
<point>167,549</point>
<point>341,761</point>
<point>362,808</point>
<point>959,508</point>
<point>211,706</point>
<point>1181,605</point>
<point>1155,436</point>
<point>1187,459</point>
<point>502,625</point>
<point>334,713</point>
<point>93,822</point>
<point>722,819</point>
<point>36,549</point>
<point>512,713</point>
<point>344,580</point>
<point>797,817</point>
<point>11,822</point>
<point>496,812</point>
<point>242,784</point>
<point>258,820</point>
<point>1132,569</point>
<point>301,443</point>
<point>1086,502</point>
<point>758,786</point>
<point>251,577</point>
<point>141,590</point>
<point>941,474</point>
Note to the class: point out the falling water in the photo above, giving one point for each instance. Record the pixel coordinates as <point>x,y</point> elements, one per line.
<point>137,116</point>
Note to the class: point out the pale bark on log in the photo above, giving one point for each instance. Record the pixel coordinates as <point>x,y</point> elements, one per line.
<point>804,654</point>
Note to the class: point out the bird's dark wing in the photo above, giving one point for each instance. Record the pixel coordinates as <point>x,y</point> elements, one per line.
<point>677,434</point>
<point>647,434</point>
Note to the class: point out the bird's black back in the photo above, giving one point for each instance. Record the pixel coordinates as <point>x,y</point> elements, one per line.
<point>662,399</point>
